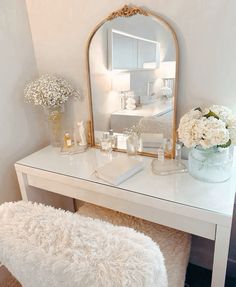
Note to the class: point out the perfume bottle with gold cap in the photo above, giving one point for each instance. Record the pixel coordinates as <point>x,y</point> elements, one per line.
<point>67,140</point>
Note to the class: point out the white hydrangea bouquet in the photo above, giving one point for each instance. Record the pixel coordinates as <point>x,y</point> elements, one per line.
<point>209,132</point>
<point>209,127</point>
<point>49,91</point>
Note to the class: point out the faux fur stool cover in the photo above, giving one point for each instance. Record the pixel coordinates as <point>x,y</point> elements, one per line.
<point>45,247</point>
<point>174,244</point>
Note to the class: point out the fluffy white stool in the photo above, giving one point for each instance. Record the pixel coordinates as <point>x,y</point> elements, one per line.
<point>174,244</point>
<point>43,247</point>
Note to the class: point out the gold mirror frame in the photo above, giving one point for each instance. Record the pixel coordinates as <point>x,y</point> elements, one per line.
<point>129,11</point>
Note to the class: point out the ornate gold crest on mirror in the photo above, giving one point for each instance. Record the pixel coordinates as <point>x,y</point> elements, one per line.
<point>132,65</point>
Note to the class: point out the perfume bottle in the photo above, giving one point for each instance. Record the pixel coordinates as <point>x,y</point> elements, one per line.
<point>122,100</point>
<point>160,154</point>
<point>132,143</point>
<point>161,150</point>
<point>113,138</point>
<point>168,146</point>
<point>106,142</point>
<point>67,140</point>
<point>178,152</point>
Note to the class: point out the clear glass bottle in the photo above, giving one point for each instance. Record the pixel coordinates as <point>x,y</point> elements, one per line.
<point>168,146</point>
<point>132,142</point>
<point>178,152</point>
<point>106,142</point>
<point>160,154</point>
<point>113,138</point>
<point>161,150</point>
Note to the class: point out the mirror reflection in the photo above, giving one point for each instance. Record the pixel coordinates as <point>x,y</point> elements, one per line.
<point>129,52</point>
<point>132,64</point>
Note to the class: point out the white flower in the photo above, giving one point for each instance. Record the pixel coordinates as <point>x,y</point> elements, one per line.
<point>232,128</point>
<point>222,112</point>
<point>49,91</point>
<point>192,114</point>
<point>189,131</point>
<point>197,129</point>
<point>214,133</point>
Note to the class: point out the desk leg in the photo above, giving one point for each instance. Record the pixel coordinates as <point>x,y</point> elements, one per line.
<point>75,205</point>
<point>22,179</point>
<point>220,256</point>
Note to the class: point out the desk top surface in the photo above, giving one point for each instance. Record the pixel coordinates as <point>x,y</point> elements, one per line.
<point>178,188</point>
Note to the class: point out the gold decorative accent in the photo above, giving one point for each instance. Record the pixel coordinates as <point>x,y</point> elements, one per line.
<point>89,133</point>
<point>127,11</point>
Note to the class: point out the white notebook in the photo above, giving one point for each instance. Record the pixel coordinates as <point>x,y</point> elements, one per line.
<point>119,169</point>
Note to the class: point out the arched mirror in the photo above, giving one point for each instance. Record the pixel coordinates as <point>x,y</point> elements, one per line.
<point>132,61</point>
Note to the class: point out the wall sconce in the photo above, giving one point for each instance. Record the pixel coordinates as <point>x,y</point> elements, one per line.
<point>121,84</point>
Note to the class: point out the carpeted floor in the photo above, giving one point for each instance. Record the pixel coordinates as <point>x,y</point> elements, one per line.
<point>196,277</point>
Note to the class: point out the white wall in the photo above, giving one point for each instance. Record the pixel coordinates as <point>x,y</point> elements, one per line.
<point>21,129</point>
<point>205,29</point>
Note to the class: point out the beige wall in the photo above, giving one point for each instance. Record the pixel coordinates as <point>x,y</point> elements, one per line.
<point>21,128</point>
<point>205,29</point>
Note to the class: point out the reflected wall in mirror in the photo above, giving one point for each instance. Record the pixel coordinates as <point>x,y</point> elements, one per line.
<point>132,70</point>
<point>129,52</point>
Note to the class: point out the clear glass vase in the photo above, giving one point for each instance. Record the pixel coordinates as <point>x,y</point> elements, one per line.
<point>212,164</point>
<point>54,118</point>
<point>133,143</point>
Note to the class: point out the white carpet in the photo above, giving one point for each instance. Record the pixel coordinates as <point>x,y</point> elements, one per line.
<point>43,247</point>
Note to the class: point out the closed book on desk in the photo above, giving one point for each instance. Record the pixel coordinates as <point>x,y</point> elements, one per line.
<point>119,169</point>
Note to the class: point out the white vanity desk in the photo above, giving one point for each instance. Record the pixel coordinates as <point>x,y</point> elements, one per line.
<point>178,201</point>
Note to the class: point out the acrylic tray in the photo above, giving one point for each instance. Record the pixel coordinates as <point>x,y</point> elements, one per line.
<point>168,166</point>
<point>73,149</point>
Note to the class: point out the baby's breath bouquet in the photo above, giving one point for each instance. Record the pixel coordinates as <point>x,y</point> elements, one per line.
<point>210,133</point>
<point>49,91</point>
